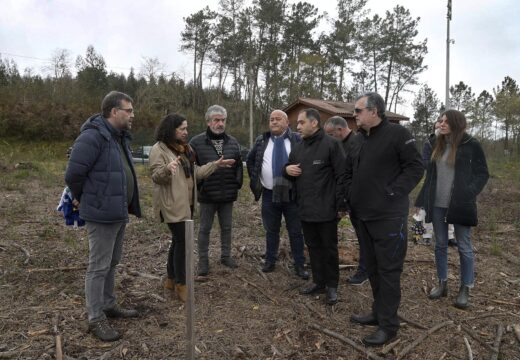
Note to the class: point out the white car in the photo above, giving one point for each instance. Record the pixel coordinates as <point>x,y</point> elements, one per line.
<point>141,154</point>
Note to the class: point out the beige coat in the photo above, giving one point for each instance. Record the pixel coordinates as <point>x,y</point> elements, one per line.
<point>173,194</point>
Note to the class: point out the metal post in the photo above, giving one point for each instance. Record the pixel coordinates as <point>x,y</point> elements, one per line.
<point>251,90</point>
<point>448,41</point>
<point>190,302</point>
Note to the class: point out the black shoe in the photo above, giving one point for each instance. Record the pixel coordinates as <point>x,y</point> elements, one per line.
<point>380,337</point>
<point>119,312</point>
<point>103,331</point>
<point>301,272</point>
<point>359,278</point>
<point>203,267</point>
<point>452,242</point>
<point>369,319</point>
<point>229,262</point>
<point>313,289</point>
<point>268,267</point>
<point>332,295</point>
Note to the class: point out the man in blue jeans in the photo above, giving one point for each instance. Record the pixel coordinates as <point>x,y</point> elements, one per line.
<point>265,162</point>
<point>102,179</point>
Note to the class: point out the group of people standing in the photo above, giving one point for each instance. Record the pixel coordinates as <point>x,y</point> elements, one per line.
<point>311,178</point>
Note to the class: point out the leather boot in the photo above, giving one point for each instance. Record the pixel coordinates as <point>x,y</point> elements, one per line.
<point>182,292</point>
<point>462,301</point>
<point>439,291</point>
<point>169,283</point>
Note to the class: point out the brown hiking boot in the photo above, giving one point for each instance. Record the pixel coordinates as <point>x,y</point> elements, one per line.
<point>182,292</point>
<point>103,331</point>
<point>169,283</point>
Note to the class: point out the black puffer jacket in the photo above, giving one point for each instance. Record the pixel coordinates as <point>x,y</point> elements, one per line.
<point>383,167</point>
<point>471,175</point>
<point>223,184</point>
<point>96,176</point>
<point>255,159</point>
<point>320,189</point>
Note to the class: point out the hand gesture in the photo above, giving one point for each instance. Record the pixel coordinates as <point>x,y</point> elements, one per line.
<point>294,170</point>
<point>172,166</point>
<point>225,162</point>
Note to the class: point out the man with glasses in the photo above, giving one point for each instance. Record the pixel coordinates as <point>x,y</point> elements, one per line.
<point>383,167</point>
<point>219,191</point>
<point>101,177</point>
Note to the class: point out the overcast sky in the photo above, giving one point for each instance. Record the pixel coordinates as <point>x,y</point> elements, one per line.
<point>486,35</point>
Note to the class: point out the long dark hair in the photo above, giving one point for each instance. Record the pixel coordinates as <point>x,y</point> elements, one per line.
<point>457,123</point>
<point>165,132</point>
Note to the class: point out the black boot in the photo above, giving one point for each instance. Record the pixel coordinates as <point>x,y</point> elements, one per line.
<point>439,291</point>
<point>462,301</point>
<point>203,267</point>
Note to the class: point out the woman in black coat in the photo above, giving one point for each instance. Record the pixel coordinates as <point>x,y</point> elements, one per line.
<point>455,176</point>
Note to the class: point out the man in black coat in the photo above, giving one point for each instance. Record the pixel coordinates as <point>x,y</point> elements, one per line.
<point>317,167</point>
<point>218,192</point>
<point>265,163</point>
<point>383,167</point>
<point>102,179</point>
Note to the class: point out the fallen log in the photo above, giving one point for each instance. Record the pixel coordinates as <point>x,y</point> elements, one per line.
<point>257,288</point>
<point>498,340</point>
<point>468,347</point>
<point>477,338</point>
<point>346,340</point>
<point>516,328</point>
<point>421,338</point>
<point>63,268</point>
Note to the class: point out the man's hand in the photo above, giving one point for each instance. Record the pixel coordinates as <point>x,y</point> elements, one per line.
<point>227,163</point>
<point>75,203</point>
<point>293,170</point>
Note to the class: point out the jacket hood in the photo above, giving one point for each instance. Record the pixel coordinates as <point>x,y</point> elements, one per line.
<point>99,123</point>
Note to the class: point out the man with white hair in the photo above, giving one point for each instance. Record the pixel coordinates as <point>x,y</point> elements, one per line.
<point>218,192</point>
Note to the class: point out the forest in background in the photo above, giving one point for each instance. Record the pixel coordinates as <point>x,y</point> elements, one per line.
<point>259,56</point>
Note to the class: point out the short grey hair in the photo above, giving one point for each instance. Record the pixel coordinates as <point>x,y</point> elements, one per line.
<point>374,101</point>
<point>215,110</point>
<point>337,121</point>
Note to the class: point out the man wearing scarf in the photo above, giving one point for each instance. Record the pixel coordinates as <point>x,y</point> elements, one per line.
<point>218,192</point>
<point>265,163</point>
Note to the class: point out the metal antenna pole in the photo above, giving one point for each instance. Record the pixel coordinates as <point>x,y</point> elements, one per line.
<point>448,41</point>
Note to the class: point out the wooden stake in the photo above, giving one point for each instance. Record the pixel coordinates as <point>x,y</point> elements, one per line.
<point>190,302</point>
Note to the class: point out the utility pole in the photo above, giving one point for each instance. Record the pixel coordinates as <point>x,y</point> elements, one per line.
<point>448,42</point>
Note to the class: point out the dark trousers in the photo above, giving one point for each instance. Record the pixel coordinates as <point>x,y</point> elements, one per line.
<point>385,243</point>
<point>176,265</point>
<point>361,263</point>
<point>321,239</point>
<point>272,220</point>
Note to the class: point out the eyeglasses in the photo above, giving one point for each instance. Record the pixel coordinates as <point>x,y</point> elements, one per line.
<point>358,110</point>
<point>128,111</point>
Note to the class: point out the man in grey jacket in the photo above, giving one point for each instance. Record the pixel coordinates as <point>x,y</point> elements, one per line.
<point>102,179</point>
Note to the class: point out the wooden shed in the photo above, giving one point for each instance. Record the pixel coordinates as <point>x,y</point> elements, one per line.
<point>329,109</point>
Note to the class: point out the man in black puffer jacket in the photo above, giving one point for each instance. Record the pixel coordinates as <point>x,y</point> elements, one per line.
<point>101,177</point>
<point>383,167</point>
<point>217,192</point>
<point>317,167</point>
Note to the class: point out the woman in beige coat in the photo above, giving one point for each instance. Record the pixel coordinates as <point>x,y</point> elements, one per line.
<point>174,175</point>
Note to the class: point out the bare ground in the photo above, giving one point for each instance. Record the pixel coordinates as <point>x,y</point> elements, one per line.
<point>240,314</point>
